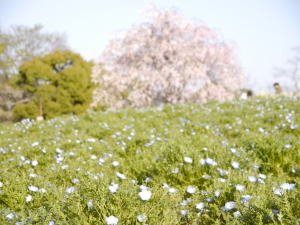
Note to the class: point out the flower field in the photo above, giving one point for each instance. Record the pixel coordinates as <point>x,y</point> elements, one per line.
<point>236,162</point>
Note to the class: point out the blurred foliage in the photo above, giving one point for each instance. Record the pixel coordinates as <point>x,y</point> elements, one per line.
<point>60,83</point>
<point>19,44</point>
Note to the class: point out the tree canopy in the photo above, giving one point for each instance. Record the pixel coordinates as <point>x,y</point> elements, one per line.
<point>58,83</point>
<point>167,59</point>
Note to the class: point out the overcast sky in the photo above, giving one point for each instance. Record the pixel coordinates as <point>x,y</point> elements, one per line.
<point>263,30</point>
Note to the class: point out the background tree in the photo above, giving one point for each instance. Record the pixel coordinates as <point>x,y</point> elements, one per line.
<point>59,83</point>
<point>291,73</point>
<point>21,43</point>
<point>167,59</point>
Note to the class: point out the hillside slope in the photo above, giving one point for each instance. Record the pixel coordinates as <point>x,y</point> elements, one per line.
<point>217,163</point>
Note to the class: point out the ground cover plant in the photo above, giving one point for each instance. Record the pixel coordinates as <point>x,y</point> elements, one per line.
<point>216,163</point>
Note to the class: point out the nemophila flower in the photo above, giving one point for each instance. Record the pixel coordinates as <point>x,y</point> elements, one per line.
<point>42,190</point>
<point>239,187</point>
<point>262,176</point>
<point>275,211</point>
<point>34,163</point>
<point>101,161</point>
<point>287,186</point>
<point>90,204</point>
<point>188,160</point>
<point>93,157</point>
<point>91,140</point>
<point>288,146</point>
<point>217,194</point>
<point>208,161</point>
<point>252,179</point>
<point>141,218</point>
<point>183,212</point>
<point>228,206</point>
<point>235,164</point>
<point>172,190</point>
<point>145,195</point>
<point>237,214</point>
<point>28,198</point>
<point>261,181</point>
<point>121,176</point>
<point>176,170</point>
<point>206,176</point>
<point>191,189</point>
<point>64,167</point>
<point>222,172</point>
<point>51,222</point>
<point>278,192</point>
<point>115,163</point>
<point>70,190</point>
<point>112,220</point>
<point>75,180</point>
<point>200,206</point>
<point>10,216</point>
<point>233,150</point>
<point>113,187</point>
<point>33,188</point>
<point>222,180</point>
<point>246,198</point>
<point>35,144</point>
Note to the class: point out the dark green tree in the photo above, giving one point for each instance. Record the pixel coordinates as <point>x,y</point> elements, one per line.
<point>56,84</point>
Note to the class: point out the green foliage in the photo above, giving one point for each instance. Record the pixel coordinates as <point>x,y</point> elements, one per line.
<point>150,144</point>
<point>59,82</point>
<point>25,110</point>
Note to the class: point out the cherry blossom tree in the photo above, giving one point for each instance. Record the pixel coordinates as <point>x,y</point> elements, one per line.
<point>167,59</point>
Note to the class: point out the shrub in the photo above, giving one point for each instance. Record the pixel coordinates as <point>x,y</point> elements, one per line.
<point>60,83</point>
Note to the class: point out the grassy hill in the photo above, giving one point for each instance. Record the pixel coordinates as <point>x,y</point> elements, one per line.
<point>218,163</point>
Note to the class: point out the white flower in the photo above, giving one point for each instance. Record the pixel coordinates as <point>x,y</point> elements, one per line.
<point>91,140</point>
<point>113,187</point>
<point>33,188</point>
<point>240,187</point>
<point>228,206</point>
<point>120,175</point>
<point>252,179</point>
<point>246,198</point>
<point>288,146</point>
<point>188,160</point>
<point>176,170</point>
<point>90,204</point>
<point>208,161</point>
<point>277,192</point>
<point>42,190</point>
<point>287,186</point>
<point>51,222</point>
<point>34,144</point>
<point>70,190</point>
<point>1,184</point>
<point>115,163</point>
<point>217,194</point>
<point>10,216</point>
<point>183,212</point>
<point>93,157</point>
<point>262,176</point>
<point>237,214</point>
<point>172,190</point>
<point>75,180</point>
<point>145,195</point>
<point>32,175</point>
<point>28,198</point>
<point>200,205</point>
<point>141,218</point>
<point>34,163</point>
<point>191,189</point>
<point>235,164</point>
<point>112,220</point>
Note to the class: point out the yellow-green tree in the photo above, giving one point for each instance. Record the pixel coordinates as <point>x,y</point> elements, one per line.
<point>58,83</point>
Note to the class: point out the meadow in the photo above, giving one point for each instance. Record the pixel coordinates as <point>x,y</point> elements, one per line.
<point>236,162</point>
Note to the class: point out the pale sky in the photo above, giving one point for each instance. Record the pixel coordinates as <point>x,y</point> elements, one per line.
<point>263,30</point>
